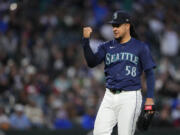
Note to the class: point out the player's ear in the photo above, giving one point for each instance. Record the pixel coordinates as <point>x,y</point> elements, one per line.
<point>128,26</point>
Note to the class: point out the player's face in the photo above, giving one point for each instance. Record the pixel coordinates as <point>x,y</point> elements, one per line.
<point>120,30</point>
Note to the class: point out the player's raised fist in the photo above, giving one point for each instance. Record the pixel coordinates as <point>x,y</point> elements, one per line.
<point>87,32</point>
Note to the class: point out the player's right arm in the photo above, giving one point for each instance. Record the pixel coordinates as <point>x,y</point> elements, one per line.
<point>92,59</point>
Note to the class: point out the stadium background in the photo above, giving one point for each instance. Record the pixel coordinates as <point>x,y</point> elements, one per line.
<point>45,84</point>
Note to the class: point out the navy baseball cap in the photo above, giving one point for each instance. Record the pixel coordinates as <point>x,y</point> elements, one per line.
<point>120,17</point>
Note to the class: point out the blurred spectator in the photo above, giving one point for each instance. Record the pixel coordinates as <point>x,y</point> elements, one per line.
<point>61,120</point>
<point>106,32</point>
<point>41,54</point>
<point>88,118</point>
<point>61,83</point>
<point>163,119</point>
<point>165,83</point>
<point>176,112</point>
<point>18,119</point>
<point>4,120</point>
<point>156,25</point>
<point>8,43</point>
<point>100,10</point>
<point>34,114</point>
<point>169,42</point>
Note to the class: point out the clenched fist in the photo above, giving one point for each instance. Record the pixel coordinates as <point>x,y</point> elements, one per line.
<point>87,32</point>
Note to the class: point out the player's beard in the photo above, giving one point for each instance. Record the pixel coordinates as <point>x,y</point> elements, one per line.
<point>119,39</point>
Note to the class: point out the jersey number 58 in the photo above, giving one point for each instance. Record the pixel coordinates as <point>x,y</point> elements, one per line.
<point>131,71</point>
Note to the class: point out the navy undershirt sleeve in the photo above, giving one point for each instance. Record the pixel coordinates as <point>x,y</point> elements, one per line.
<point>150,82</point>
<point>88,53</point>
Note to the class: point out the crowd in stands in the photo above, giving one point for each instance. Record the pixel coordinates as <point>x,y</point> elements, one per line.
<point>44,79</point>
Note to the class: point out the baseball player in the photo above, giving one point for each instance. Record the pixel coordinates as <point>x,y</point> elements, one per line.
<point>125,58</point>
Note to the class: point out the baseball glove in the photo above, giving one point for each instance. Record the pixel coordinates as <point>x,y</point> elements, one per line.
<point>146,117</point>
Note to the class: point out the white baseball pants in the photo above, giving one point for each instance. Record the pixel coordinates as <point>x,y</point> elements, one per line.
<point>122,109</point>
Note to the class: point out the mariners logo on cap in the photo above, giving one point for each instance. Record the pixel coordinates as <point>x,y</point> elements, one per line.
<point>115,16</point>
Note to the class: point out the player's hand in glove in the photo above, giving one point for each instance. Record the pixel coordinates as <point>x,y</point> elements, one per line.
<point>146,117</point>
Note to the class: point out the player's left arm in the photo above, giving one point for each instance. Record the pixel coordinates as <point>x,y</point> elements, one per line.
<point>149,108</point>
<point>148,65</point>
<point>150,83</point>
